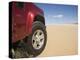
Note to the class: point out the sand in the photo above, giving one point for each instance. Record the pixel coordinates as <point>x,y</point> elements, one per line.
<point>61,40</point>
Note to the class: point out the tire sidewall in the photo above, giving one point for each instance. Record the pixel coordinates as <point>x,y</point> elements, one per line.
<point>37,26</point>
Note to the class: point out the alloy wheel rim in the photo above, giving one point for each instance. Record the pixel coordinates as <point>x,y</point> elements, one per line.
<point>38,39</point>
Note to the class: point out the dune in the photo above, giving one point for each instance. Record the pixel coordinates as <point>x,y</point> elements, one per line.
<point>62,39</point>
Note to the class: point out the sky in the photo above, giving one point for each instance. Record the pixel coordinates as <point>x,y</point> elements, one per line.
<point>59,14</point>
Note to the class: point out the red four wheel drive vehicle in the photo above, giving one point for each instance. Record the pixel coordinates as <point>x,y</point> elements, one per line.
<point>27,30</point>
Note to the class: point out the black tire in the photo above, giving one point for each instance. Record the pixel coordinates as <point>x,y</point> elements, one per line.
<point>37,25</point>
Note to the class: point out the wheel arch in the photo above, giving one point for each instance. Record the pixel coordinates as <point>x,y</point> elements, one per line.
<point>39,18</point>
<point>33,19</point>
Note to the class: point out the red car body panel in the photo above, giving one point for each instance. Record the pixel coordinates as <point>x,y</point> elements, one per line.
<point>22,19</point>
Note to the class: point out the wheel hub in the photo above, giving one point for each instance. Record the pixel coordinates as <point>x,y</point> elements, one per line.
<point>38,39</point>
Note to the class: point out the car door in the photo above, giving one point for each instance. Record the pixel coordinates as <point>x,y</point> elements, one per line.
<point>19,22</point>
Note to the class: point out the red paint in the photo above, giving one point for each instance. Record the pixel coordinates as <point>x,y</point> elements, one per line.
<point>22,19</point>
